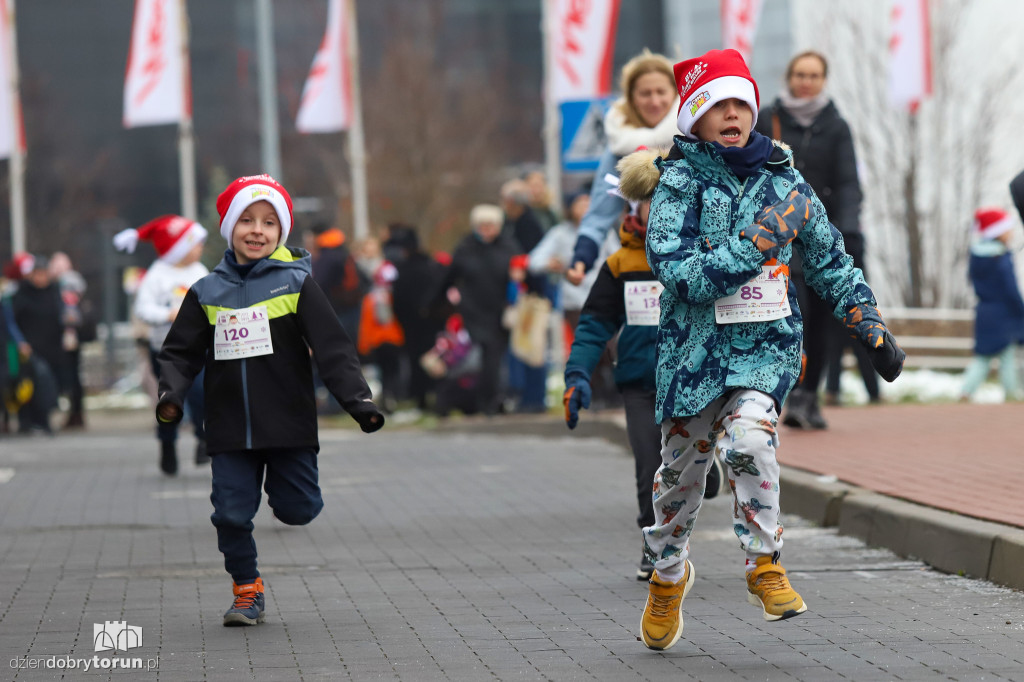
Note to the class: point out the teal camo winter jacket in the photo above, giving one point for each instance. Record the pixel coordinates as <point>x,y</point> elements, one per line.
<point>695,251</point>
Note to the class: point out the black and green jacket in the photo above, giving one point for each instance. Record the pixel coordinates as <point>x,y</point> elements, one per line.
<point>604,314</point>
<point>264,401</point>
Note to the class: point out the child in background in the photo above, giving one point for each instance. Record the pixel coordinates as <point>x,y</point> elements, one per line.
<point>624,300</point>
<point>252,324</point>
<point>999,315</point>
<point>179,246</point>
<point>726,217</point>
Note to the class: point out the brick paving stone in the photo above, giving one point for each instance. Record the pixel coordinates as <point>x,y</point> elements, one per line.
<point>454,557</point>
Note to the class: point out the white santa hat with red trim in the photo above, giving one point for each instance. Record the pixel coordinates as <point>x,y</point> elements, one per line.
<point>246,191</point>
<point>710,78</point>
<point>172,235</point>
<point>989,223</point>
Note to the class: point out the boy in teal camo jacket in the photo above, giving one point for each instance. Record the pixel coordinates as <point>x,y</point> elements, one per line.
<point>726,216</point>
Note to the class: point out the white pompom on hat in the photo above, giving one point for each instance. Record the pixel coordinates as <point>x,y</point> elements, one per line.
<point>989,223</point>
<point>715,76</point>
<point>246,191</point>
<point>172,235</point>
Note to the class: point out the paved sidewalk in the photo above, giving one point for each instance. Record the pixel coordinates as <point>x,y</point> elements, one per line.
<point>930,482</point>
<point>445,556</point>
<point>962,458</point>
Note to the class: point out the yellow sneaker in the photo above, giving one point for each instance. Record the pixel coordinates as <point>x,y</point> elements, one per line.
<point>769,588</point>
<point>662,623</point>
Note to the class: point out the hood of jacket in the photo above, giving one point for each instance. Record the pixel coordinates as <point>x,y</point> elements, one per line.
<point>282,257</point>
<point>704,154</point>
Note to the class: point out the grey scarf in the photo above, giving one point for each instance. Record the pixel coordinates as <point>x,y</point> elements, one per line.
<point>803,109</point>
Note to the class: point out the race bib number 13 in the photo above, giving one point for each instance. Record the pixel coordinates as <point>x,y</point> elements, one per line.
<point>242,333</point>
<point>643,303</point>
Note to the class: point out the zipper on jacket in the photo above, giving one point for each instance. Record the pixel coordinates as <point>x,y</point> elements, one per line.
<point>245,378</point>
<point>245,406</point>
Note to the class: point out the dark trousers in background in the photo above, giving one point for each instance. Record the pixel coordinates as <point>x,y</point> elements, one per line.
<point>839,341</point>
<point>818,323</point>
<point>528,384</point>
<point>76,394</point>
<point>290,479</point>
<point>194,404</point>
<point>489,387</point>
<point>645,441</point>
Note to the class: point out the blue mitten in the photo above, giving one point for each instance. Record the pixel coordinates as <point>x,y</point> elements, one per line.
<point>576,396</point>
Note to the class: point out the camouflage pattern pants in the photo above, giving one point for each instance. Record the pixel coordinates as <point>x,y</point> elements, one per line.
<point>740,428</point>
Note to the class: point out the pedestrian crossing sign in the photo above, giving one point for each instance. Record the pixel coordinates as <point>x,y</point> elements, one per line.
<point>583,137</point>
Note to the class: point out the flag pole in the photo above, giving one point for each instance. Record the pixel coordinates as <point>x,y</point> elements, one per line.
<point>270,146</point>
<point>552,118</point>
<point>186,137</point>
<point>17,161</point>
<point>356,143</point>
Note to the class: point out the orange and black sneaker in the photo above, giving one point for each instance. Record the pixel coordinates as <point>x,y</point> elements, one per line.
<point>769,588</point>
<point>248,606</point>
<point>662,623</point>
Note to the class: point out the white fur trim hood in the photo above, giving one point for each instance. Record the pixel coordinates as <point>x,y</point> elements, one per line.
<point>624,138</point>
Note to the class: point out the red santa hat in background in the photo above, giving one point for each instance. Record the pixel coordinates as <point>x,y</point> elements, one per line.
<point>713,77</point>
<point>172,235</point>
<point>989,223</point>
<point>246,191</point>
<point>19,266</point>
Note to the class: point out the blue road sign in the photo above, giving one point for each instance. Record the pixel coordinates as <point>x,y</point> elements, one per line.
<point>583,138</point>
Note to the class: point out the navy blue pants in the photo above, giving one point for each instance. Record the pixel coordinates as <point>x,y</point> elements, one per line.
<point>292,492</point>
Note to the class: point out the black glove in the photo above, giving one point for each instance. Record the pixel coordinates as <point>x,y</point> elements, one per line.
<point>887,358</point>
<point>865,324</point>
<point>779,224</point>
<point>367,416</point>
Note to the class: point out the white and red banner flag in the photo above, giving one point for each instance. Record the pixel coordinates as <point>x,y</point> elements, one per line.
<point>582,35</point>
<point>11,130</point>
<point>156,89</point>
<point>910,54</point>
<point>739,25</point>
<point>326,105</point>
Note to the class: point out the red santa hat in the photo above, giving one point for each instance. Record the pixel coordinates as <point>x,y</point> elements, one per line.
<point>172,235</point>
<point>20,266</point>
<point>989,223</point>
<point>713,77</point>
<point>246,191</point>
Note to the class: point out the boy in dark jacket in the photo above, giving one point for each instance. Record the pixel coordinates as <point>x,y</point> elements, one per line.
<point>251,324</point>
<point>625,300</point>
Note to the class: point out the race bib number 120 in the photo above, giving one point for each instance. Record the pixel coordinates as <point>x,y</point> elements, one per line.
<point>242,333</point>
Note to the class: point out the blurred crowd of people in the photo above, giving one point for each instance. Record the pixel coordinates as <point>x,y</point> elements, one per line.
<point>474,330</point>
<point>44,319</point>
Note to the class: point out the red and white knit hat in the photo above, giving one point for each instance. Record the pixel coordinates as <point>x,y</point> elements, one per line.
<point>246,191</point>
<point>717,75</point>
<point>172,236</point>
<point>989,223</point>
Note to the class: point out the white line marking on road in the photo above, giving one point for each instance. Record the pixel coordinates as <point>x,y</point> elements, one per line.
<point>6,474</point>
